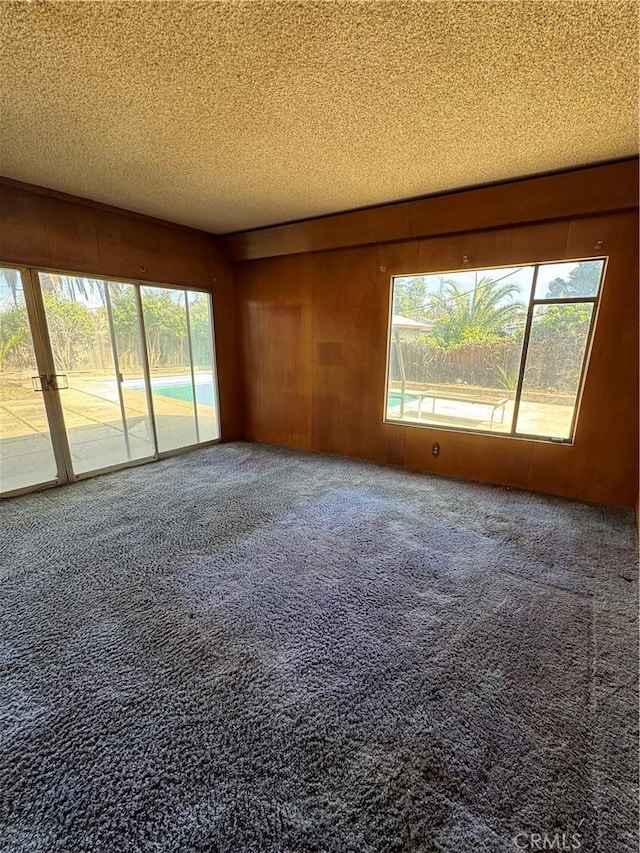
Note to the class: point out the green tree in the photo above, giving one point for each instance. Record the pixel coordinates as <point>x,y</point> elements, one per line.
<point>410,297</point>
<point>124,310</point>
<point>474,316</point>
<point>583,280</point>
<point>201,331</point>
<point>558,321</point>
<point>14,336</point>
<point>165,324</point>
<point>72,328</point>
<point>12,280</point>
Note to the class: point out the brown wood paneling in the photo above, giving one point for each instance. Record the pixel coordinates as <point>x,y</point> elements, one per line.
<point>569,194</point>
<point>603,463</point>
<point>364,227</point>
<point>43,229</point>
<point>350,319</point>
<point>301,340</point>
<point>345,319</point>
<point>278,398</point>
<point>498,247</point>
<point>578,192</point>
<point>131,247</point>
<point>490,459</point>
<point>345,314</point>
<point>35,189</point>
<point>23,226</point>
<point>72,236</point>
<point>275,323</point>
<point>230,394</point>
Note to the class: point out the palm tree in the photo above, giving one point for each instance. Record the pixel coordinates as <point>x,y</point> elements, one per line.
<point>12,280</point>
<point>10,341</point>
<point>476,315</point>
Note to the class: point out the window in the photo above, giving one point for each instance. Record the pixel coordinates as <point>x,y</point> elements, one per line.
<point>493,350</point>
<point>98,374</point>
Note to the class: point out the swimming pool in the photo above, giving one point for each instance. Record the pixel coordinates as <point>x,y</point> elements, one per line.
<point>179,388</point>
<point>394,397</point>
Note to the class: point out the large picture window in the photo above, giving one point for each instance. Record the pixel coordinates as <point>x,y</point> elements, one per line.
<point>500,350</point>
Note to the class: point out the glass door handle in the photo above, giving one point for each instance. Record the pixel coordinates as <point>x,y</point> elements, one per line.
<point>58,381</point>
<point>53,382</point>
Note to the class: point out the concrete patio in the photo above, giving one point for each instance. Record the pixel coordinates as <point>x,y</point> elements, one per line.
<point>535,418</point>
<point>94,428</point>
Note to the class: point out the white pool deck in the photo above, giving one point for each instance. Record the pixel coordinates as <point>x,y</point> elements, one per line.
<point>534,418</point>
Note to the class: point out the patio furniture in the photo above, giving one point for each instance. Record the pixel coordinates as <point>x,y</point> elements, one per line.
<point>493,403</point>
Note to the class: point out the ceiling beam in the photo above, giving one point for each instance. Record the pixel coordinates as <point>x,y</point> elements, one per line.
<point>598,189</point>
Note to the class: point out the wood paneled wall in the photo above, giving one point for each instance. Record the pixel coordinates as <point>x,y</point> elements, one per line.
<point>309,368</point>
<point>41,228</point>
<point>314,337</point>
<point>577,192</point>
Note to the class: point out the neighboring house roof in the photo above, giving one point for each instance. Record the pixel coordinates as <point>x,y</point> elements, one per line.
<point>401,322</point>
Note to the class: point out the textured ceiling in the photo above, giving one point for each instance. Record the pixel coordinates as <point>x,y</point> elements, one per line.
<point>232,115</point>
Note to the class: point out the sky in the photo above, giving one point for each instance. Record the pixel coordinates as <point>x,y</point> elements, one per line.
<point>93,300</point>
<point>522,277</point>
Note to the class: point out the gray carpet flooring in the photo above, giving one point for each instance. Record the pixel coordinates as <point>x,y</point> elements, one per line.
<point>252,649</point>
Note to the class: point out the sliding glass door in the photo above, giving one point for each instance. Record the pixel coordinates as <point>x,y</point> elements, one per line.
<point>165,323</point>
<point>122,373</point>
<point>179,339</point>
<point>95,338</point>
<point>203,360</point>
<point>26,449</point>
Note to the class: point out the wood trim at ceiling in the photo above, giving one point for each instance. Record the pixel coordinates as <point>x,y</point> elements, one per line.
<point>599,189</point>
<point>98,205</point>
